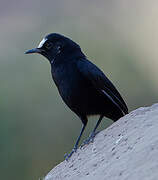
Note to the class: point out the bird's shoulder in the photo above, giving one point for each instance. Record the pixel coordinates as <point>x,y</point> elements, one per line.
<point>90,70</point>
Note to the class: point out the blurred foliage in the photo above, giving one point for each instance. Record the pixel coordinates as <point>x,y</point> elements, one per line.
<point>36,127</point>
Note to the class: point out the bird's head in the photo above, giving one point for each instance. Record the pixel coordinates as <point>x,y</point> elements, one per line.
<point>55,45</point>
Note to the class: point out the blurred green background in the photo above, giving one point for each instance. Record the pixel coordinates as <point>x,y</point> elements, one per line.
<point>36,127</point>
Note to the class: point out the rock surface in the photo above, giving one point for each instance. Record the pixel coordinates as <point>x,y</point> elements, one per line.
<point>127,150</point>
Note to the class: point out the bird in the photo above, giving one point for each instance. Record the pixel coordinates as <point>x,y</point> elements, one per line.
<point>82,85</point>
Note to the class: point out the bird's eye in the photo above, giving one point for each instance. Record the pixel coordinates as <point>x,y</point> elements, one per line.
<point>48,45</point>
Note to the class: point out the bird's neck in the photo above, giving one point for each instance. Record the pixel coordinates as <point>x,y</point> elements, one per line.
<point>67,56</point>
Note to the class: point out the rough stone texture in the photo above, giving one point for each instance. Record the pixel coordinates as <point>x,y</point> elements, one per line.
<point>127,150</point>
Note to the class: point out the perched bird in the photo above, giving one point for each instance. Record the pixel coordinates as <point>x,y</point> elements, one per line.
<point>82,85</point>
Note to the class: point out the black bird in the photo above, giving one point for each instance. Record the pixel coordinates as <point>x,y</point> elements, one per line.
<point>82,85</point>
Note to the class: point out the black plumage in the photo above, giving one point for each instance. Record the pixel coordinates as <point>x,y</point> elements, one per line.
<point>82,85</point>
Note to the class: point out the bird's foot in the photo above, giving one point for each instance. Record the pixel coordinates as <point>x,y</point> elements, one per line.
<point>67,156</point>
<point>89,140</point>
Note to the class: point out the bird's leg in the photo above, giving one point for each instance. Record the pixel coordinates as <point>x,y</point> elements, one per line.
<point>93,133</point>
<point>67,156</point>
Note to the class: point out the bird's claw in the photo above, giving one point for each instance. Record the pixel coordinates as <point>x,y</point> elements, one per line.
<point>89,140</point>
<point>67,156</point>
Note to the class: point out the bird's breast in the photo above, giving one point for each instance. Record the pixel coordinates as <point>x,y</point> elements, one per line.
<point>71,84</point>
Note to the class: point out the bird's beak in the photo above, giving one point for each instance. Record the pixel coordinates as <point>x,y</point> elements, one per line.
<point>35,50</point>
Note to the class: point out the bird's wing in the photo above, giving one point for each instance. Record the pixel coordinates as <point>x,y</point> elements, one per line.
<point>92,73</point>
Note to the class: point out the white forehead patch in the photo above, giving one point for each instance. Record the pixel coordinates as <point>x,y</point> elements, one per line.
<point>42,42</point>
